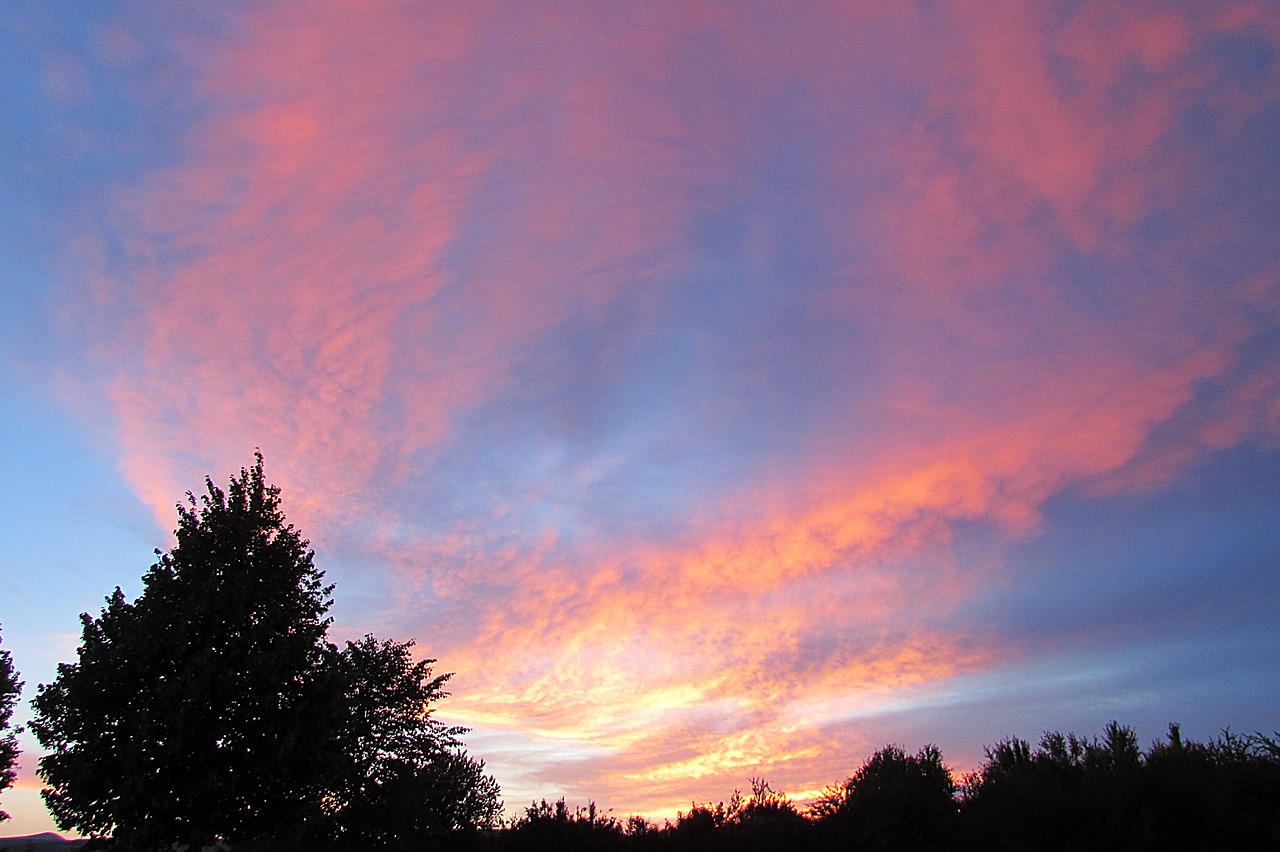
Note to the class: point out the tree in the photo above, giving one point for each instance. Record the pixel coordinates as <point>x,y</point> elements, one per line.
<point>1024,798</point>
<point>1104,793</point>
<point>894,801</point>
<point>405,774</point>
<point>10,686</point>
<point>213,708</point>
<point>181,721</point>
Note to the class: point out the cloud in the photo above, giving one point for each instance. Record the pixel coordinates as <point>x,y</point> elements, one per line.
<point>653,362</point>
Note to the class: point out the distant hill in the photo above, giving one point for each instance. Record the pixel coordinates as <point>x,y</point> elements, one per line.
<point>46,842</point>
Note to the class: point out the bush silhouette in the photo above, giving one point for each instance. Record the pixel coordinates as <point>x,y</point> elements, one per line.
<point>552,826</point>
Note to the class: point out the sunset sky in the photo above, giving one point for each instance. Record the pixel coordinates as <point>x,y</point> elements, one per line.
<point>720,389</point>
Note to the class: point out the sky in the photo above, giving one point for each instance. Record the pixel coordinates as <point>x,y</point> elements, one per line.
<point>720,390</point>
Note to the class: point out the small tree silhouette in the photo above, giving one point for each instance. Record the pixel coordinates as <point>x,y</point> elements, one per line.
<point>10,687</point>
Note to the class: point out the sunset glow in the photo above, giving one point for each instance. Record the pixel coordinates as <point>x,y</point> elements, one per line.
<point>721,390</point>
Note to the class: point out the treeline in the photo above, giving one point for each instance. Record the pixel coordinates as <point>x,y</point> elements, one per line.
<point>1067,793</point>
<point>213,712</point>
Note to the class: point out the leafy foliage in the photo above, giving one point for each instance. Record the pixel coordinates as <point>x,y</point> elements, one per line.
<point>212,708</point>
<point>10,686</point>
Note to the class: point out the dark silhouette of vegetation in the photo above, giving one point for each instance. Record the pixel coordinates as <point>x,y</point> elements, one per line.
<point>10,686</point>
<point>552,826</point>
<point>766,820</point>
<point>1069,792</point>
<point>1073,793</point>
<point>404,773</point>
<point>212,708</point>
<point>894,801</point>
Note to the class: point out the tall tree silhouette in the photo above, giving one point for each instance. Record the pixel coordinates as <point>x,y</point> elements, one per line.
<point>201,711</point>
<point>212,708</point>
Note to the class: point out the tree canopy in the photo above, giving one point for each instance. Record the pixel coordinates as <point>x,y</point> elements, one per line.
<point>10,686</point>
<point>213,708</point>
<point>404,773</point>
